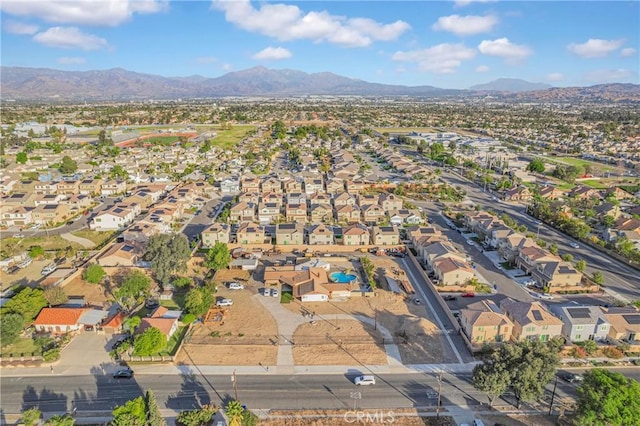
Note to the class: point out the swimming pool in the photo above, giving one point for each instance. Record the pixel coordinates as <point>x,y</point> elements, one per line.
<point>341,277</point>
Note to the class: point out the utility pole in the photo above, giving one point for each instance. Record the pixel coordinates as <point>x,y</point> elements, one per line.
<point>553,396</point>
<point>235,385</point>
<point>439,393</point>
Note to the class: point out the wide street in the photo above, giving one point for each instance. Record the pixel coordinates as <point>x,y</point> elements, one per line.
<point>99,392</point>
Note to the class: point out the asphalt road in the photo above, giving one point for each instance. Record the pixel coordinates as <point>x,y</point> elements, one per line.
<point>179,392</point>
<point>620,278</point>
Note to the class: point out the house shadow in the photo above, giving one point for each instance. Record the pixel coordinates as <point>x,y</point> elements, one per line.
<point>109,391</point>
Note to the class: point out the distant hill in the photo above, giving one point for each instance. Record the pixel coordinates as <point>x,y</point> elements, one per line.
<point>510,85</point>
<point>43,84</point>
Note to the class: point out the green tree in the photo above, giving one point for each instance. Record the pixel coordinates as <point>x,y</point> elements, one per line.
<point>198,301</point>
<point>492,378</point>
<point>368,268</point>
<point>218,257</point>
<point>590,347</point>
<point>581,265</point>
<point>182,282</point>
<point>150,342</point>
<point>536,165</point>
<point>31,417</point>
<point>59,420</point>
<point>118,172</point>
<point>28,303</point>
<point>134,287</point>
<point>131,323</point>
<point>608,221</point>
<point>132,413</point>
<point>68,165</point>
<point>197,417</point>
<point>35,252</point>
<point>168,253</point>
<point>93,274</point>
<point>21,157</point>
<point>55,296</point>
<point>598,278</point>
<point>11,326</point>
<point>435,150</point>
<point>553,249</point>
<point>608,398</point>
<point>567,257</point>
<point>234,411</point>
<point>154,418</point>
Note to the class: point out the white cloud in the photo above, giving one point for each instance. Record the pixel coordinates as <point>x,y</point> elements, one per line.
<point>227,67</point>
<point>272,54</point>
<point>595,47</point>
<point>482,68</point>
<point>206,60</point>
<point>15,27</point>
<point>628,51</point>
<point>555,76</point>
<point>503,48</point>
<point>609,75</point>
<point>462,3</point>
<point>70,38</point>
<point>71,60</point>
<point>465,25</point>
<point>84,12</point>
<point>288,22</point>
<point>440,59</point>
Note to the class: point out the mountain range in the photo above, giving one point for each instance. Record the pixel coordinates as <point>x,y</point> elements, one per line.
<point>31,84</point>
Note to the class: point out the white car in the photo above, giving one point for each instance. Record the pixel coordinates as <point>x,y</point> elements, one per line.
<point>365,380</point>
<point>574,245</point>
<point>471,243</point>
<point>235,286</point>
<point>545,296</point>
<point>266,292</point>
<point>224,302</point>
<point>49,269</point>
<point>529,282</point>
<point>274,292</point>
<point>25,263</point>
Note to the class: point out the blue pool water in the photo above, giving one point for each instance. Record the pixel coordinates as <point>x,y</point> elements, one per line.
<point>341,277</point>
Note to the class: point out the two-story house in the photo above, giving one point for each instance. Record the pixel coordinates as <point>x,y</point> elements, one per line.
<point>271,184</point>
<point>250,233</point>
<point>582,322</point>
<point>355,235</point>
<point>385,236</point>
<point>250,184</point>
<point>50,214</point>
<point>343,199</point>
<point>320,234</point>
<point>313,185</point>
<point>348,214</point>
<point>90,186</point>
<point>215,233</point>
<point>334,186</point>
<point>296,213</point>
<point>452,271</point>
<point>531,256</point>
<point>249,197</point>
<point>290,234</point>
<point>113,187</point>
<point>242,212</point>
<point>555,276</point>
<point>269,213</point>
<point>484,322</point>
<point>320,213</point>
<point>531,320</point>
<point>372,214</point>
<point>390,202</point>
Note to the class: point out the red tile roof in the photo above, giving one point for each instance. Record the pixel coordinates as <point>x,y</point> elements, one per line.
<point>59,316</point>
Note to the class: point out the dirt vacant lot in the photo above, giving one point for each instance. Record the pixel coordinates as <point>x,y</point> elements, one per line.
<point>342,342</point>
<point>246,338</point>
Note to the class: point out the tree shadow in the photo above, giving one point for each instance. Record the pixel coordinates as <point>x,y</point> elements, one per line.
<point>110,392</point>
<point>193,392</point>
<point>45,400</point>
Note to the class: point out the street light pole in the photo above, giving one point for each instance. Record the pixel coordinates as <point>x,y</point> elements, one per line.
<point>439,393</point>
<point>235,385</point>
<point>553,396</point>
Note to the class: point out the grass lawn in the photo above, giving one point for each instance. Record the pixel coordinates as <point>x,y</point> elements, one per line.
<point>580,162</point>
<point>594,184</point>
<point>175,340</point>
<point>403,129</point>
<point>175,303</point>
<point>95,236</point>
<point>286,297</point>
<point>161,140</point>
<point>14,246</point>
<point>226,139</point>
<point>507,266</point>
<point>565,186</point>
<point>21,346</point>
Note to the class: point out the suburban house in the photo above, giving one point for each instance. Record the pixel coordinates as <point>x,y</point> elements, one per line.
<point>47,199</point>
<point>390,202</point>
<point>114,218</point>
<point>531,321</point>
<point>344,199</point>
<point>271,185</point>
<point>550,193</point>
<point>320,234</point>
<point>530,257</point>
<point>307,285</point>
<point>268,213</point>
<point>355,186</point>
<point>69,188</point>
<point>229,186</point>
<point>142,230</point>
<point>90,186</point>
<point>416,232</point>
<point>292,185</point>
<point>348,214</point>
<point>270,198</point>
<point>250,233</point>
<point>311,186</point>
<point>334,186</point>
<point>17,216</point>
<point>582,322</point>
<point>321,212</point>
<point>290,234</point>
<point>625,324</point>
<point>320,199</point>
<point>46,188</point>
<point>404,216</point>
<point>249,197</point>
<point>296,213</point>
<point>355,235</point>
<point>163,319</point>
<point>510,246</point>
<point>484,322</point>
<point>521,193</point>
<point>452,271</point>
<point>121,254</point>
<point>50,214</point>
<point>250,184</point>
<point>113,187</point>
<point>584,193</point>
<point>215,233</point>
<point>553,276</point>
<point>385,236</point>
<point>59,320</point>
<point>372,214</point>
<point>439,250</point>
<point>242,212</point>
<point>496,234</point>
<point>296,198</point>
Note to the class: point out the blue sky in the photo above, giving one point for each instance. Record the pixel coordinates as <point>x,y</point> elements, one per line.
<point>450,44</point>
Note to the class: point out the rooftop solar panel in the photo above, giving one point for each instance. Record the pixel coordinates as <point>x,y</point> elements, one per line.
<point>632,319</point>
<point>537,315</point>
<point>579,312</point>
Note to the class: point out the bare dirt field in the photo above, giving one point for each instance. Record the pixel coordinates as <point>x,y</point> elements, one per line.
<point>99,294</point>
<point>520,420</point>
<point>342,342</point>
<point>337,418</point>
<point>246,338</point>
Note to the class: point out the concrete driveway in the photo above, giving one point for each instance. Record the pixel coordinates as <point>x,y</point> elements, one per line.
<point>87,351</point>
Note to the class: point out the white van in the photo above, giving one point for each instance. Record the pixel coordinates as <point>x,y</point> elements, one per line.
<point>478,423</point>
<point>365,380</point>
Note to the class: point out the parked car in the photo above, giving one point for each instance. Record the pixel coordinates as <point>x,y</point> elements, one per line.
<point>545,296</point>
<point>18,236</point>
<point>151,304</point>
<point>235,286</point>
<point>417,301</point>
<point>469,294</point>
<point>49,269</point>
<point>275,293</point>
<point>432,395</point>
<point>224,302</point>
<point>471,243</point>
<point>266,292</point>
<point>125,373</point>
<point>529,282</point>
<point>13,269</point>
<point>25,263</point>
<point>574,245</point>
<point>450,298</point>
